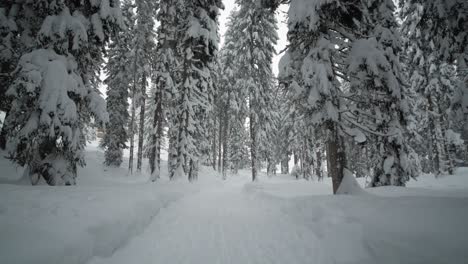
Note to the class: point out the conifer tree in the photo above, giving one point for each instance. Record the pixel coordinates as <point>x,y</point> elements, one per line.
<point>198,46</point>
<point>162,95</point>
<point>54,89</point>
<point>254,52</point>
<point>380,107</point>
<point>118,83</point>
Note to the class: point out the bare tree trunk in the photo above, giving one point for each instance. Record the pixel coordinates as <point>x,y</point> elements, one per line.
<point>132,138</point>
<point>285,163</point>
<point>172,153</point>
<point>220,131</point>
<point>132,118</point>
<point>318,165</point>
<point>253,142</point>
<point>142,123</point>
<point>3,133</point>
<point>336,158</point>
<point>155,151</point>
<point>225,143</point>
<point>462,70</point>
<point>437,138</point>
<point>213,147</point>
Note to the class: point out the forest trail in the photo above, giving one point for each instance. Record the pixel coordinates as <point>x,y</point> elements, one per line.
<point>281,220</point>
<point>226,224</point>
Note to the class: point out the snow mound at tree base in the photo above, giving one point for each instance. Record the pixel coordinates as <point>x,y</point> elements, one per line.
<point>349,185</point>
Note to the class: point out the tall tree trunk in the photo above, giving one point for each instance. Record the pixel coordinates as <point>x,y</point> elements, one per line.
<point>142,122</point>
<point>462,70</point>
<point>437,137</point>
<point>155,149</point>
<point>225,143</point>
<point>132,118</point>
<point>336,158</point>
<point>213,146</point>
<point>220,132</point>
<point>285,163</point>
<point>253,141</point>
<point>318,164</point>
<point>3,133</point>
<point>172,152</point>
<point>132,137</point>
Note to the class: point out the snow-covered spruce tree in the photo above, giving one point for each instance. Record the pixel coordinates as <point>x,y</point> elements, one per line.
<point>16,38</point>
<point>162,101</point>
<point>379,107</point>
<point>143,50</point>
<point>430,78</point>
<point>254,53</point>
<point>229,99</point>
<point>446,23</point>
<point>118,83</point>
<point>54,88</point>
<point>164,68</point>
<point>198,46</point>
<point>313,66</point>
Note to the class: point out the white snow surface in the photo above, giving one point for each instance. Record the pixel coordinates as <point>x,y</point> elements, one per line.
<point>111,217</point>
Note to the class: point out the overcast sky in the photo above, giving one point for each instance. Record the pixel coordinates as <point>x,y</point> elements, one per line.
<point>282,28</point>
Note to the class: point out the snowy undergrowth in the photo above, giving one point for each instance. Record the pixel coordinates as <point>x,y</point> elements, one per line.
<point>44,224</point>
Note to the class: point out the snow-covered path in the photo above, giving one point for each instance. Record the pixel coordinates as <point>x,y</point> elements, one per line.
<point>219,225</point>
<point>239,222</point>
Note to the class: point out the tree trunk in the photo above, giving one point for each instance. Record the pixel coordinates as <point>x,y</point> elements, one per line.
<point>220,131</point>
<point>132,118</point>
<point>213,146</point>
<point>132,137</point>
<point>3,133</point>
<point>437,137</point>
<point>318,164</point>
<point>155,151</point>
<point>253,142</point>
<point>142,123</point>
<point>336,158</point>
<point>285,163</point>
<point>172,153</point>
<point>225,143</point>
<point>462,70</point>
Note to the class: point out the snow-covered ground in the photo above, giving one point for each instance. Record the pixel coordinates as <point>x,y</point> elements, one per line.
<point>112,217</point>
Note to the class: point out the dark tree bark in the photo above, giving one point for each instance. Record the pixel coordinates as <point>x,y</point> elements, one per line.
<point>213,147</point>
<point>3,134</point>
<point>253,142</point>
<point>155,149</point>
<point>225,143</point>
<point>220,131</point>
<point>318,164</point>
<point>336,158</point>
<point>141,129</point>
<point>285,164</point>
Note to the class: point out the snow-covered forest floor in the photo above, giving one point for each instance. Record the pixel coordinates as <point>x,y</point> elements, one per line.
<point>110,217</point>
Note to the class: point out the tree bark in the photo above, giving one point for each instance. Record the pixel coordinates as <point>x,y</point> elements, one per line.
<point>220,131</point>
<point>336,158</point>
<point>155,149</point>
<point>213,147</point>
<point>225,143</point>
<point>285,163</point>
<point>3,133</point>
<point>253,142</point>
<point>142,123</point>
<point>318,164</point>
